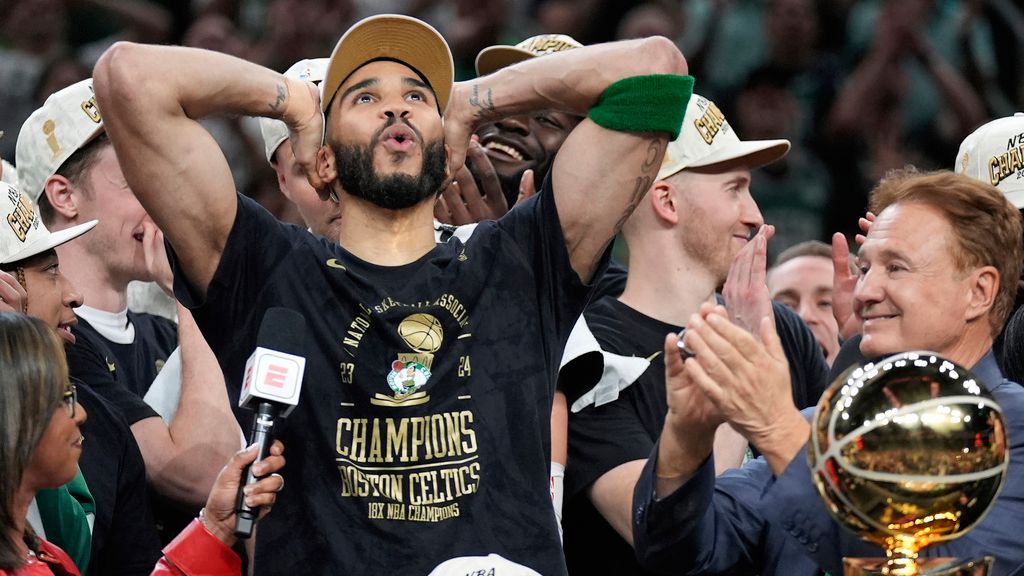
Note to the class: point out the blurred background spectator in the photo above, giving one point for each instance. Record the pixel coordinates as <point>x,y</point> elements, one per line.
<point>859,87</point>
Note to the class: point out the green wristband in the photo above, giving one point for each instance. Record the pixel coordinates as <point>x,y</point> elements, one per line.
<point>654,103</point>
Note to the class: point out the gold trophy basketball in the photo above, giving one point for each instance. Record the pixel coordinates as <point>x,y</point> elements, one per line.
<point>907,452</point>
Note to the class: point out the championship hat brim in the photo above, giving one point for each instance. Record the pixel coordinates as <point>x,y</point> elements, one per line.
<point>494,58</point>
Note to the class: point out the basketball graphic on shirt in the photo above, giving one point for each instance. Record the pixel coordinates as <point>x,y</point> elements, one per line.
<point>908,451</point>
<point>422,332</point>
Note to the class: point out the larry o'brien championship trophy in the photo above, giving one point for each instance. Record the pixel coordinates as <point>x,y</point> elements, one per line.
<point>907,452</point>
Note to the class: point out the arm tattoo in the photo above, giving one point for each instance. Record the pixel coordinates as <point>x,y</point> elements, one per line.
<point>652,160</point>
<point>282,94</point>
<point>485,107</point>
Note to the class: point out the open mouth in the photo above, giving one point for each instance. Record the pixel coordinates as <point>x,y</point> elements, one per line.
<point>506,150</point>
<point>64,332</point>
<point>138,236</point>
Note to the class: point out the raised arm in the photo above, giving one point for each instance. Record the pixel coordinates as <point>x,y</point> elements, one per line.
<point>151,97</point>
<point>599,175</point>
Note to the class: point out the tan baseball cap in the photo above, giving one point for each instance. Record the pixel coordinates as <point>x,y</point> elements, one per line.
<point>391,37</point>
<point>67,121</point>
<point>495,58</point>
<point>274,131</point>
<point>24,234</point>
<point>706,139</point>
<point>994,153</point>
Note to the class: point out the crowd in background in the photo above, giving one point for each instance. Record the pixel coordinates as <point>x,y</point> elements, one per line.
<point>858,87</point>
<point>859,90</point>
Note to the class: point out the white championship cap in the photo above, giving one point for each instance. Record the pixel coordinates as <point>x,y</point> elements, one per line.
<point>994,153</point>
<point>67,121</point>
<point>497,57</point>
<point>706,139</point>
<point>392,37</point>
<point>490,564</point>
<point>24,234</point>
<point>274,131</point>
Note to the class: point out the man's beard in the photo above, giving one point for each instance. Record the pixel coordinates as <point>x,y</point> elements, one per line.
<point>393,191</point>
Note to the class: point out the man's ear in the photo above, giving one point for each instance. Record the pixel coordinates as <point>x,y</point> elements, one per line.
<point>662,197</point>
<point>984,287</point>
<point>326,169</point>
<point>63,196</point>
<point>281,184</point>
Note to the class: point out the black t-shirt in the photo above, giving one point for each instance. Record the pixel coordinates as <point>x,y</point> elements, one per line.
<point>422,429</point>
<point>124,539</point>
<point>626,429</point>
<point>122,373</point>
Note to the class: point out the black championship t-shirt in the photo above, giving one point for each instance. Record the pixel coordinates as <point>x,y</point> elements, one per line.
<point>124,538</point>
<point>122,373</point>
<point>606,436</point>
<point>422,429</point>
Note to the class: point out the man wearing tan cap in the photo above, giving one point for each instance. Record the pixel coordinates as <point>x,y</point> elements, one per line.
<point>322,216</point>
<point>396,473</point>
<point>515,152</point>
<point>697,229</point>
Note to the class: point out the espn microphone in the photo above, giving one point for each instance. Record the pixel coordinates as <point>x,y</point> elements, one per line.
<point>273,379</point>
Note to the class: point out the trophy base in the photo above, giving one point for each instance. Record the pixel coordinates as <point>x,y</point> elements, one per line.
<point>925,567</point>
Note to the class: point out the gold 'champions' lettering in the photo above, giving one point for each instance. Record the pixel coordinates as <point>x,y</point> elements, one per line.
<point>409,469</point>
<point>22,218</point>
<point>356,482</point>
<point>1006,164</point>
<point>439,486</point>
<point>709,123</point>
<point>92,110</point>
<point>406,440</point>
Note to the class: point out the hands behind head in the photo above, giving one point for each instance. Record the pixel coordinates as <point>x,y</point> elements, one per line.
<point>460,121</point>
<point>12,294</point>
<point>465,202</point>
<point>306,127</point>
<point>220,506</point>
<point>844,280</point>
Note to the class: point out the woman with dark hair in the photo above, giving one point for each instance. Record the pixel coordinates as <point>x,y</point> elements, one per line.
<point>40,443</point>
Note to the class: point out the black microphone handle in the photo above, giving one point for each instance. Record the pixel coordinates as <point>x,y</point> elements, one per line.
<point>262,434</point>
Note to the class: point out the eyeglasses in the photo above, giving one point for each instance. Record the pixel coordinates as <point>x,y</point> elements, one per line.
<point>70,399</point>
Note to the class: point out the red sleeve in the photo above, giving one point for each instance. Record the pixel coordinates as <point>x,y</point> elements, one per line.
<point>196,552</point>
